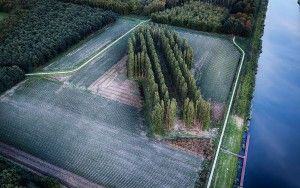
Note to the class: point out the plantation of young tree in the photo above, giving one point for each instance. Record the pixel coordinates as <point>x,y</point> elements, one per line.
<point>145,65</point>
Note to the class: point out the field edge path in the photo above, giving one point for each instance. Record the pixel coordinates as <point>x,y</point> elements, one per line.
<point>227,114</point>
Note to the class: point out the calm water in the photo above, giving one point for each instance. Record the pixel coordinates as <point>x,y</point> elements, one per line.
<point>274,153</point>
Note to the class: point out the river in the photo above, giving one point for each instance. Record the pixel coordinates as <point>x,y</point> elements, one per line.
<point>274,151</point>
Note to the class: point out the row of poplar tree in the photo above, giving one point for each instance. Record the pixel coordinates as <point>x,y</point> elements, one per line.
<point>144,65</point>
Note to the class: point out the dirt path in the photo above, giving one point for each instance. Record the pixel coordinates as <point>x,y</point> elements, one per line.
<point>65,177</point>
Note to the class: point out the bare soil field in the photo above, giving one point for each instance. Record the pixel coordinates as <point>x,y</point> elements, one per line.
<point>199,146</point>
<point>115,86</point>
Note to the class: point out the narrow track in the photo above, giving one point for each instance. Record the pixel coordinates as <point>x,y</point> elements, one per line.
<point>227,114</point>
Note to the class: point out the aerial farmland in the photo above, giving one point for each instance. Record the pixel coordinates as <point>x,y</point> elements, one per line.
<point>124,100</point>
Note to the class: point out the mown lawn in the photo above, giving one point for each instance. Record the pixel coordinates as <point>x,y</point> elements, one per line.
<point>226,170</point>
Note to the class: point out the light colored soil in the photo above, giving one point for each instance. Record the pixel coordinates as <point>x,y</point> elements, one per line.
<point>194,130</point>
<point>238,121</point>
<point>68,178</point>
<point>61,78</point>
<point>198,146</point>
<point>217,111</point>
<point>113,87</point>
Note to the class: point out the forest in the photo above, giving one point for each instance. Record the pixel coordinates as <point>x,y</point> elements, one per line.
<point>37,30</point>
<point>222,16</point>
<point>161,61</point>
<point>126,7</point>
<point>195,15</point>
<point>229,17</point>
<point>10,76</point>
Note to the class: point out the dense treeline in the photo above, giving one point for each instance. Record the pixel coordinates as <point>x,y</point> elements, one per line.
<point>144,64</point>
<point>247,83</point>
<point>223,16</point>
<point>46,29</point>
<point>241,16</point>
<point>126,6</point>
<point>143,7</point>
<point>230,17</point>
<point>13,176</point>
<point>196,15</point>
<point>9,76</point>
<point>119,6</point>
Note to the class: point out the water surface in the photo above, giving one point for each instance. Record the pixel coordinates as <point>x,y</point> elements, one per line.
<point>274,151</point>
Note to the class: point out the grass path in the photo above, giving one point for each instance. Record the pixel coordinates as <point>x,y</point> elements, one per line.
<point>90,59</point>
<point>227,115</point>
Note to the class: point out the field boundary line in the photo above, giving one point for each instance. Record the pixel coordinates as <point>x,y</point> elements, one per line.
<point>227,114</point>
<point>90,59</point>
<point>35,164</point>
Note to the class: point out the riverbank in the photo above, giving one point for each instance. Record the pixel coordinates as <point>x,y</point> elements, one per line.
<point>228,171</point>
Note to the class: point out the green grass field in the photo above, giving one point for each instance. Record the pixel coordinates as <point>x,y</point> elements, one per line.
<point>226,170</point>
<point>2,15</point>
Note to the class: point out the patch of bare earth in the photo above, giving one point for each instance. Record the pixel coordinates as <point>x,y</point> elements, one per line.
<point>199,146</point>
<point>238,121</point>
<point>113,85</point>
<point>201,143</point>
<point>61,78</point>
<point>195,130</point>
<point>217,111</point>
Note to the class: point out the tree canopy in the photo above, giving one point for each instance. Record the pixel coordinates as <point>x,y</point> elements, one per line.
<point>154,56</point>
<point>46,28</point>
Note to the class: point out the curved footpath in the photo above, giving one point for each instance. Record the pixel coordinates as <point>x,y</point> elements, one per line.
<point>227,114</point>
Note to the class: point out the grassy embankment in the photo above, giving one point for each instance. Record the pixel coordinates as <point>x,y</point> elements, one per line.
<point>226,171</point>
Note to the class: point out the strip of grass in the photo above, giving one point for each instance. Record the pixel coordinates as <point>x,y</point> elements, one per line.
<point>233,137</point>
<point>226,170</point>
